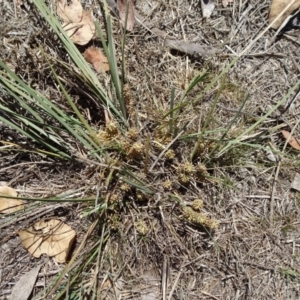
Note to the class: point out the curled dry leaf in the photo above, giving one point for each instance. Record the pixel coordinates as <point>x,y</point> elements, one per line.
<point>9,205</point>
<point>85,29</point>
<point>77,23</point>
<point>277,7</point>
<point>71,13</point>
<point>52,237</point>
<point>291,140</point>
<point>122,7</point>
<point>95,57</point>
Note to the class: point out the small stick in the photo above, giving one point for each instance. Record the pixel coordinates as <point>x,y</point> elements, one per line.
<point>147,155</point>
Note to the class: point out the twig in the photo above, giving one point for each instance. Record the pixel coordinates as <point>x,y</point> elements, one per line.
<point>273,192</point>
<point>210,295</point>
<point>174,285</point>
<point>164,277</point>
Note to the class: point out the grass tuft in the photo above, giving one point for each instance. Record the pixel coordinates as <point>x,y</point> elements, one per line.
<point>159,162</point>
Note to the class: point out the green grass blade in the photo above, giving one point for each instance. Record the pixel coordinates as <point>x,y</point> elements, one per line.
<point>171,122</point>
<point>110,53</point>
<point>16,87</point>
<point>262,119</point>
<point>208,119</point>
<point>87,73</point>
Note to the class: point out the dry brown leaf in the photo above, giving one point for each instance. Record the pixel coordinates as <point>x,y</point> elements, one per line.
<point>277,7</point>
<point>82,32</point>
<point>52,237</point>
<point>122,6</point>
<point>95,57</point>
<point>9,205</point>
<point>226,2</point>
<point>71,13</point>
<point>291,140</point>
<point>77,23</point>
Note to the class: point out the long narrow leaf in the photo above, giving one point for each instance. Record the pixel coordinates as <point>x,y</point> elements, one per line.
<point>110,53</point>
<point>88,74</point>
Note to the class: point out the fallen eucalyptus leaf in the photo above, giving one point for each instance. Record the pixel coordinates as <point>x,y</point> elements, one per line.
<point>277,7</point>
<point>71,13</point>
<point>9,205</point>
<point>95,57</point>
<point>82,32</point>
<point>52,237</point>
<point>151,287</point>
<point>77,23</point>
<point>291,140</point>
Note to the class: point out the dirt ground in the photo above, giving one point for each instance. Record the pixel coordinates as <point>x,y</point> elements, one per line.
<point>153,249</point>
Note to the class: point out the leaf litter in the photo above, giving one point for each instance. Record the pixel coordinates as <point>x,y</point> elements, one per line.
<point>225,3</point>
<point>296,182</point>
<point>293,142</point>
<point>95,56</point>
<point>235,210</point>
<point>9,205</point>
<point>78,23</point>
<point>52,237</point>
<point>277,7</point>
<point>69,13</point>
